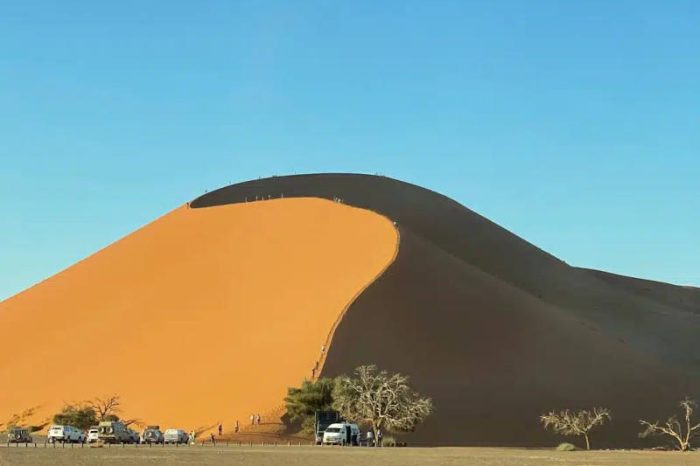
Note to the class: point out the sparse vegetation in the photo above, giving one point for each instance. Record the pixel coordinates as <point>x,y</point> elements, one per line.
<point>576,423</point>
<point>88,413</point>
<point>681,432</point>
<point>304,401</point>
<point>380,400</point>
<point>80,416</point>
<point>566,447</point>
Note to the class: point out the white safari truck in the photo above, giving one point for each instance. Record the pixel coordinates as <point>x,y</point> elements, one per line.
<point>113,432</point>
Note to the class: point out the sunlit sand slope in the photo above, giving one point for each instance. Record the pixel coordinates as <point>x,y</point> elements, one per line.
<point>498,331</point>
<point>204,315</point>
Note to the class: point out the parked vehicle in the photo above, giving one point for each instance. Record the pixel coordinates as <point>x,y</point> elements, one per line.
<point>342,433</point>
<point>152,434</point>
<point>65,434</point>
<point>18,435</point>
<point>323,419</point>
<point>93,434</point>
<point>113,432</point>
<point>135,437</point>
<point>175,436</point>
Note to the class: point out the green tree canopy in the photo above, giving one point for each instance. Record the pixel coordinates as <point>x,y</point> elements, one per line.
<point>304,401</point>
<point>81,417</point>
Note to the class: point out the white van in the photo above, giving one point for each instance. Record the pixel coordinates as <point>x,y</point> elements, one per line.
<point>65,434</point>
<point>175,436</point>
<point>342,433</point>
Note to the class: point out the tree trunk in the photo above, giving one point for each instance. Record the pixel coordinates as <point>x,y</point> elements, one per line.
<point>588,443</point>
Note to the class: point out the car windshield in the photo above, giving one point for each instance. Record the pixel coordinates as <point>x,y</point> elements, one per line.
<point>333,430</point>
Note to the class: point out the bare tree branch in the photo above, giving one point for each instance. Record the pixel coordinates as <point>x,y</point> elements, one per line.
<point>106,406</point>
<point>380,400</point>
<point>578,423</point>
<point>682,434</point>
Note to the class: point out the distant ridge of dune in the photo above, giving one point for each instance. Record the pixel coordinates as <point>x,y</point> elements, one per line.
<point>496,330</point>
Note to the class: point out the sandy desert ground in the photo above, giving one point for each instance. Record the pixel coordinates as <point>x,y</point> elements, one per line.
<point>314,456</point>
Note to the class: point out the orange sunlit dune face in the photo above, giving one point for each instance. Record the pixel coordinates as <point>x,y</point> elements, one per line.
<point>203,316</point>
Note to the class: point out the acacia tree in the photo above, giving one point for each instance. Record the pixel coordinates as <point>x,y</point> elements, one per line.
<point>106,408</point>
<point>681,432</point>
<point>576,423</point>
<point>77,415</point>
<point>380,400</point>
<point>303,402</point>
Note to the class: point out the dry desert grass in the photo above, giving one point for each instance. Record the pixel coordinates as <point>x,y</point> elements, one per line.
<point>312,456</point>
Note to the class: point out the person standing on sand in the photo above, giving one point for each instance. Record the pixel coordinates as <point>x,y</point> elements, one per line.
<point>370,438</point>
<point>193,436</point>
<point>221,429</point>
<point>252,419</point>
<point>380,436</point>
<point>213,440</point>
<point>259,418</point>
<point>237,428</point>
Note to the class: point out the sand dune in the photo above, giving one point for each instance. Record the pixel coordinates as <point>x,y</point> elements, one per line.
<point>498,331</point>
<point>205,315</point>
<point>210,313</point>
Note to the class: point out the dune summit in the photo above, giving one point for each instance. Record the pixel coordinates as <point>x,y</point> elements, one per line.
<point>216,308</point>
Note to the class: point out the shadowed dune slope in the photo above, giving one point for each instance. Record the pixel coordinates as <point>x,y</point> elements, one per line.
<point>204,315</point>
<point>498,331</point>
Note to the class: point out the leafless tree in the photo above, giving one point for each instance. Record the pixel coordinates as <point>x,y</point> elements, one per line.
<point>681,432</point>
<point>380,400</point>
<point>576,423</point>
<point>105,406</point>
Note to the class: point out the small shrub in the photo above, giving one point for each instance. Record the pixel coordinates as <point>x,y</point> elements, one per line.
<point>389,442</point>
<point>566,447</point>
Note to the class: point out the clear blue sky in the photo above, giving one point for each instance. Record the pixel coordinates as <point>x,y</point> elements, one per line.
<point>574,124</point>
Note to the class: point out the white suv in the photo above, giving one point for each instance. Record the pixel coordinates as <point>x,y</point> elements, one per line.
<point>65,434</point>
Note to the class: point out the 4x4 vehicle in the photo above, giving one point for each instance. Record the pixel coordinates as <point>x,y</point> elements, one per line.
<point>65,434</point>
<point>93,434</point>
<point>18,435</point>
<point>175,436</point>
<point>113,432</point>
<point>152,434</point>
